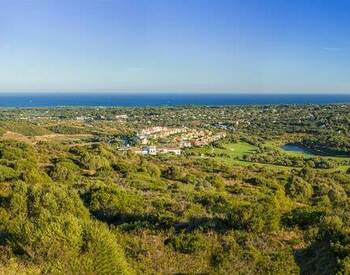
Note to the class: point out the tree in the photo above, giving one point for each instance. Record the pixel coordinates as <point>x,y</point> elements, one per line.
<point>297,188</point>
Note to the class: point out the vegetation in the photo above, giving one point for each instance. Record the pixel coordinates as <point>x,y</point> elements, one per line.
<point>240,205</point>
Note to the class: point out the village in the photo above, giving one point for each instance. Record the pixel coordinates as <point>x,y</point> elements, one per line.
<point>166,140</point>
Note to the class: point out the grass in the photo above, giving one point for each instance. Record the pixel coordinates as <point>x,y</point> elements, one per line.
<point>238,150</point>
<point>232,154</point>
<point>231,151</point>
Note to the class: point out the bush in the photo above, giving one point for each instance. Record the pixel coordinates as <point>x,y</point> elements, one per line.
<point>150,168</point>
<point>297,188</point>
<point>187,243</point>
<point>42,221</point>
<point>101,253</point>
<point>173,173</point>
<point>49,225</point>
<point>93,162</point>
<point>122,167</point>
<point>112,204</point>
<point>217,182</point>
<point>302,217</point>
<point>258,217</point>
<point>65,170</point>
<point>35,176</point>
<point>12,150</point>
<point>7,173</point>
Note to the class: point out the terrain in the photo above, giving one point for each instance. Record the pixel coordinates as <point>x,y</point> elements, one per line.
<point>175,190</point>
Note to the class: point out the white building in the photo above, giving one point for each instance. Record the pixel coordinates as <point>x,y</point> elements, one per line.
<point>143,139</point>
<point>175,151</point>
<point>149,150</point>
<point>185,143</point>
<point>121,116</point>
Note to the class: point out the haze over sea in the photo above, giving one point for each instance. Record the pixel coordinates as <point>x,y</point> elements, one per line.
<point>162,99</point>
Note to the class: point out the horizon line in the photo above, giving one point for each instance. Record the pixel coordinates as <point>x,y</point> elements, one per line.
<point>180,92</point>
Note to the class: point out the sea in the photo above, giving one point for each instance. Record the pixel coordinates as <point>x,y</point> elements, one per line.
<point>92,99</point>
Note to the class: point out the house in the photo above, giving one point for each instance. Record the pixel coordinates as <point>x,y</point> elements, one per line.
<point>185,143</point>
<point>152,150</point>
<point>174,151</point>
<point>149,150</point>
<point>121,116</point>
<point>143,139</point>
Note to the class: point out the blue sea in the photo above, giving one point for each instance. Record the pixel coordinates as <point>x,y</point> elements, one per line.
<point>163,99</point>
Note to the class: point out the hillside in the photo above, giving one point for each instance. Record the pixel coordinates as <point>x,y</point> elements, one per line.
<point>237,205</point>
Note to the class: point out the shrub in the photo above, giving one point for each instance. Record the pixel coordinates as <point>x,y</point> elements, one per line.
<point>260,216</point>
<point>173,173</point>
<point>65,170</point>
<point>101,253</point>
<point>217,182</point>
<point>187,243</point>
<point>93,162</point>
<point>302,217</point>
<point>112,203</point>
<point>297,188</point>
<point>150,168</point>
<point>7,173</point>
<point>12,150</point>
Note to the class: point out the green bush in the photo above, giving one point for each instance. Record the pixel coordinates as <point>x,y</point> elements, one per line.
<point>187,243</point>
<point>112,203</point>
<point>7,173</point>
<point>173,173</point>
<point>12,150</point>
<point>150,168</point>
<point>65,170</point>
<point>258,217</point>
<point>297,188</point>
<point>217,182</point>
<point>100,253</point>
<point>302,217</point>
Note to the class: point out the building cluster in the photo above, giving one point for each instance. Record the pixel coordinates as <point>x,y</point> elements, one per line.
<point>161,132</point>
<point>158,132</point>
<point>209,139</point>
<point>179,138</point>
<point>198,138</point>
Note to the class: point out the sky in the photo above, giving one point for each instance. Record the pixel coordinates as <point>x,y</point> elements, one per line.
<point>282,46</point>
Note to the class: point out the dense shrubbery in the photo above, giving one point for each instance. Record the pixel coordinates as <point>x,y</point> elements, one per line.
<point>111,203</point>
<point>276,158</point>
<point>11,150</point>
<point>65,170</point>
<point>66,129</point>
<point>24,127</point>
<point>328,144</point>
<point>92,209</point>
<point>298,189</point>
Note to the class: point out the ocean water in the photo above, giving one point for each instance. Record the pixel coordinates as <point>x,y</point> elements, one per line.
<point>163,99</point>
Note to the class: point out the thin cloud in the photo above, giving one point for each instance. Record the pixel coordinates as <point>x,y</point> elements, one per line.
<point>135,69</point>
<point>334,49</point>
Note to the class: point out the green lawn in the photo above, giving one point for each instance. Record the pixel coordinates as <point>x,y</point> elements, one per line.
<point>238,150</point>
<point>235,153</point>
<point>232,153</point>
<point>230,150</point>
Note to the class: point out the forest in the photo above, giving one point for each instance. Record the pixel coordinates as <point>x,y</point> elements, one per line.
<point>77,196</point>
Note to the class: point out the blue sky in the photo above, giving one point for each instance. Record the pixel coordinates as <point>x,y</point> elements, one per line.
<point>175,45</point>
